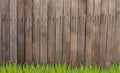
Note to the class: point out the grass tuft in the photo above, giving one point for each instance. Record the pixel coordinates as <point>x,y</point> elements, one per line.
<point>57,68</point>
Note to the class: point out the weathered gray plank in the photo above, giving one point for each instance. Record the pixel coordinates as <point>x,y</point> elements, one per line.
<point>89,23</point>
<point>59,25</point>
<point>96,30</point>
<point>73,39</point>
<point>43,49</point>
<point>6,34</point>
<point>117,33</point>
<point>96,45</point>
<point>28,30</point>
<point>20,31</point>
<point>13,30</point>
<point>110,41</point>
<point>51,30</point>
<point>81,32</point>
<point>0,34</point>
<point>110,34</point>
<point>103,31</point>
<point>66,31</point>
<point>36,28</point>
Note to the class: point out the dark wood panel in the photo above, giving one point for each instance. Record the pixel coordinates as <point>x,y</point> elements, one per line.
<point>6,33</point>
<point>20,31</point>
<point>28,31</point>
<point>51,30</point>
<point>1,33</point>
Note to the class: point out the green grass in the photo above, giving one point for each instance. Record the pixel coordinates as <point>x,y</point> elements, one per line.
<point>58,68</point>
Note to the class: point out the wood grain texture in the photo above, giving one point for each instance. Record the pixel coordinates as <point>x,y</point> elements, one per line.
<point>117,33</point>
<point>20,31</point>
<point>81,32</point>
<point>66,31</point>
<point>110,34</point>
<point>96,45</point>
<point>43,49</point>
<point>73,39</point>
<point>89,24</point>
<point>6,32</point>
<point>13,30</point>
<point>36,32</point>
<point>1,33</point>
<point>51,30</point>
<point>28,30</point>
<point>103,31</point>
<point>59,29</point>
<point>96,30</point>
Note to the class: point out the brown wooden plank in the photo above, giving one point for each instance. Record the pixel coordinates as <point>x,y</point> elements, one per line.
<point>96,30</point>
<point>73,39</point>
<point>110,34</point>
<point>103,31</point>
<point>51,30</point>
<point>110,41</point>
<point>89,23</point>
<point>40,17</point>
<point>59,23</point>
<point>20,31</point>
<point>81,32</point>
<point>28,30</point>
<point>36,28</point>
<point>6,34</point>
<point>43,49</point>
<point>117,33</point>
<point>0,34</point>
<point>66,31</point>
<point>13,30</point>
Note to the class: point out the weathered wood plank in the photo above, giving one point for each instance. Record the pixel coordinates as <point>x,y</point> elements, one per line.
<point>13,30</point>
<point>89,23</point>
<point>110,34</point>
<point>51,30</point>
<point>96,30</point>
<point>73,39</point>
<point>28,30</point>
<point>20,31</point>
<point>6,28</point>
<point>0,34</point>
<point>96,45</point>
<point>43,49</point>
<point>81,32</point>
<point>110,41</point>
<point>103,31</point>
<point>59,25</point>
<point>117,33</point>
<point>40,17</point>
<point>36,28</point>
<point>66,31</point>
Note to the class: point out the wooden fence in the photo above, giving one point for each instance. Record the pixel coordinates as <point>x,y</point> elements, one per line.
<point>49,31</point>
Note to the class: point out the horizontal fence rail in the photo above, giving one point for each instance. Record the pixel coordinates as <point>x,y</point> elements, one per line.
<point>53,31</point>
